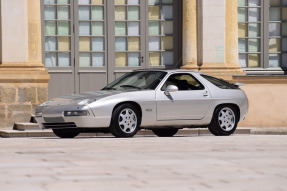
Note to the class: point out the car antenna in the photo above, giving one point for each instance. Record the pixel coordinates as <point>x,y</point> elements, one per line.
<point>175,66</point>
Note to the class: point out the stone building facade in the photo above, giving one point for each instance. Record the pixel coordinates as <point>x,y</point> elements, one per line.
<point>51,48</point>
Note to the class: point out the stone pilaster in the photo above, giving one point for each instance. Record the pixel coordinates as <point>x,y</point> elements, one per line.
<point>23,78</point>
<point>189,36</point>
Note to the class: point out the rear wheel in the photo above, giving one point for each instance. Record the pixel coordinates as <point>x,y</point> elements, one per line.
<point>125,121</point>
<point>165,132</point>
<point>67,133</point>
<point>224,121</point>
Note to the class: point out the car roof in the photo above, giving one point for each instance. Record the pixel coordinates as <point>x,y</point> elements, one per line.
<point>167,70</point>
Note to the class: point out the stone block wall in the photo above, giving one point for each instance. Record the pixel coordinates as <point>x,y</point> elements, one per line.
<point>18,102</point>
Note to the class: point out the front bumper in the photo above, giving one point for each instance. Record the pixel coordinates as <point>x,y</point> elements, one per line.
<point>53,117</point>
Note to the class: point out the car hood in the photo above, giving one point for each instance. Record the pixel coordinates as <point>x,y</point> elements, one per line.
<point>75,99</point>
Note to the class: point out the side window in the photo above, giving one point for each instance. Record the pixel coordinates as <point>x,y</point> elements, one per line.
<point>183,82</point>
<point>219,82</point>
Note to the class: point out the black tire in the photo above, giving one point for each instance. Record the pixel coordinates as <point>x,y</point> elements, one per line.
<point>67,133</point>
<point>224,121</point>
<point>165,132</point>
<point>125,121</point>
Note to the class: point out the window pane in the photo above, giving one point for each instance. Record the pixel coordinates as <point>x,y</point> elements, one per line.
<point>254,60</point>
<point>85,59</point>
<point>63,28</point>
<point>97,13</point>
<point>274,2</point>
<point>154,43</point>
<point>274,14</point>
<point>50,59</point>
<point>63,13</point>
<point>254,15</point>
<point>284,44</point>
<point>98,28</point>
<point>167,58</point>
<point>284,2</point>
<point>254,45</point>
<point>167,2</point>
<point>97,2</point>
<point>274,29</point>
<point>284,29</point>
<point>167,43</point>
<point>120,13</point>
<point>64,43</point>
<point>242,45</point>
<point>134,29</point>
<point>154,28</point>
<point>242,30</point>
<point>50,12</point>
<point>243,60</point>
<point>84,2</point>
<point>241,3</point>
<point>121,44</point>
<point>121,59</point>
<point>274,45</point>
<point>274,60</point>
<point>120,2</point>
<point>153,12</point>
<point>133,13</point>
<point>50,43</point>
<point>254,3</point>
<point>63,2</point>
<point>50,28</point>
<point>254,30</point>
<point>98,44</point>
<point>84,13</point>
<point>49,2</point>
<point>133,2</point>
<point>121,28</point>
<point>133,43</point>
<point>84,44</point>
<point>98,59</point>
<point>167,12</point>
<point>64,59</point>
<point>284,14</point>
<point>134,59</point>
<point>153,2</point>
<point>154,58</point>
<point>167,28</point>
<point>242,14</point>
<point>84,28</point>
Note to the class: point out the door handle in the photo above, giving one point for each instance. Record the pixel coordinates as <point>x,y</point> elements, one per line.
<point>205,94</point>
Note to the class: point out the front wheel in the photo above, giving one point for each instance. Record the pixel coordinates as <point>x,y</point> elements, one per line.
<point>67,133</point>
<point>125,121</point>
<point>224,121</point>
<point>165,132</point>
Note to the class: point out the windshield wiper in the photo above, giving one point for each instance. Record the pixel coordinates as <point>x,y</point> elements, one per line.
<point>131,86</point>
<point>106,88</point>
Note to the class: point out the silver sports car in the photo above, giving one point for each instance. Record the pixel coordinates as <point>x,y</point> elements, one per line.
<point>160,100</point>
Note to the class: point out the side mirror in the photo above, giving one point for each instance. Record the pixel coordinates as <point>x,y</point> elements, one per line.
<point>170,88</point>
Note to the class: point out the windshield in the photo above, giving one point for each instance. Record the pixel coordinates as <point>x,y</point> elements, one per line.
<point>139,80</point>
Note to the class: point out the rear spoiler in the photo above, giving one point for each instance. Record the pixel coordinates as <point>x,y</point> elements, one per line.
<point>238,84</point>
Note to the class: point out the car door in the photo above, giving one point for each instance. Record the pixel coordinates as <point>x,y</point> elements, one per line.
<point>190,102</point>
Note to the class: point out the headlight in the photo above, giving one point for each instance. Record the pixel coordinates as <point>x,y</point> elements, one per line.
<point>38,114</point>
<point>76,113</point>
<point>86,102</point>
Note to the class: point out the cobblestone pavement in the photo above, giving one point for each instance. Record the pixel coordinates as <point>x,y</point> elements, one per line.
<point>240,162</point>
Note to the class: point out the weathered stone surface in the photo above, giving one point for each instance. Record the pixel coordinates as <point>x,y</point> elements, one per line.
<point>42,94</point>
<point>27,95</point>
<point>18,113</point>
<point>7,94</point>
<point>2,116</point>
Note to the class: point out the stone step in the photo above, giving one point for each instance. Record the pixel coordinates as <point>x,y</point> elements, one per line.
<point>26,126</point>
